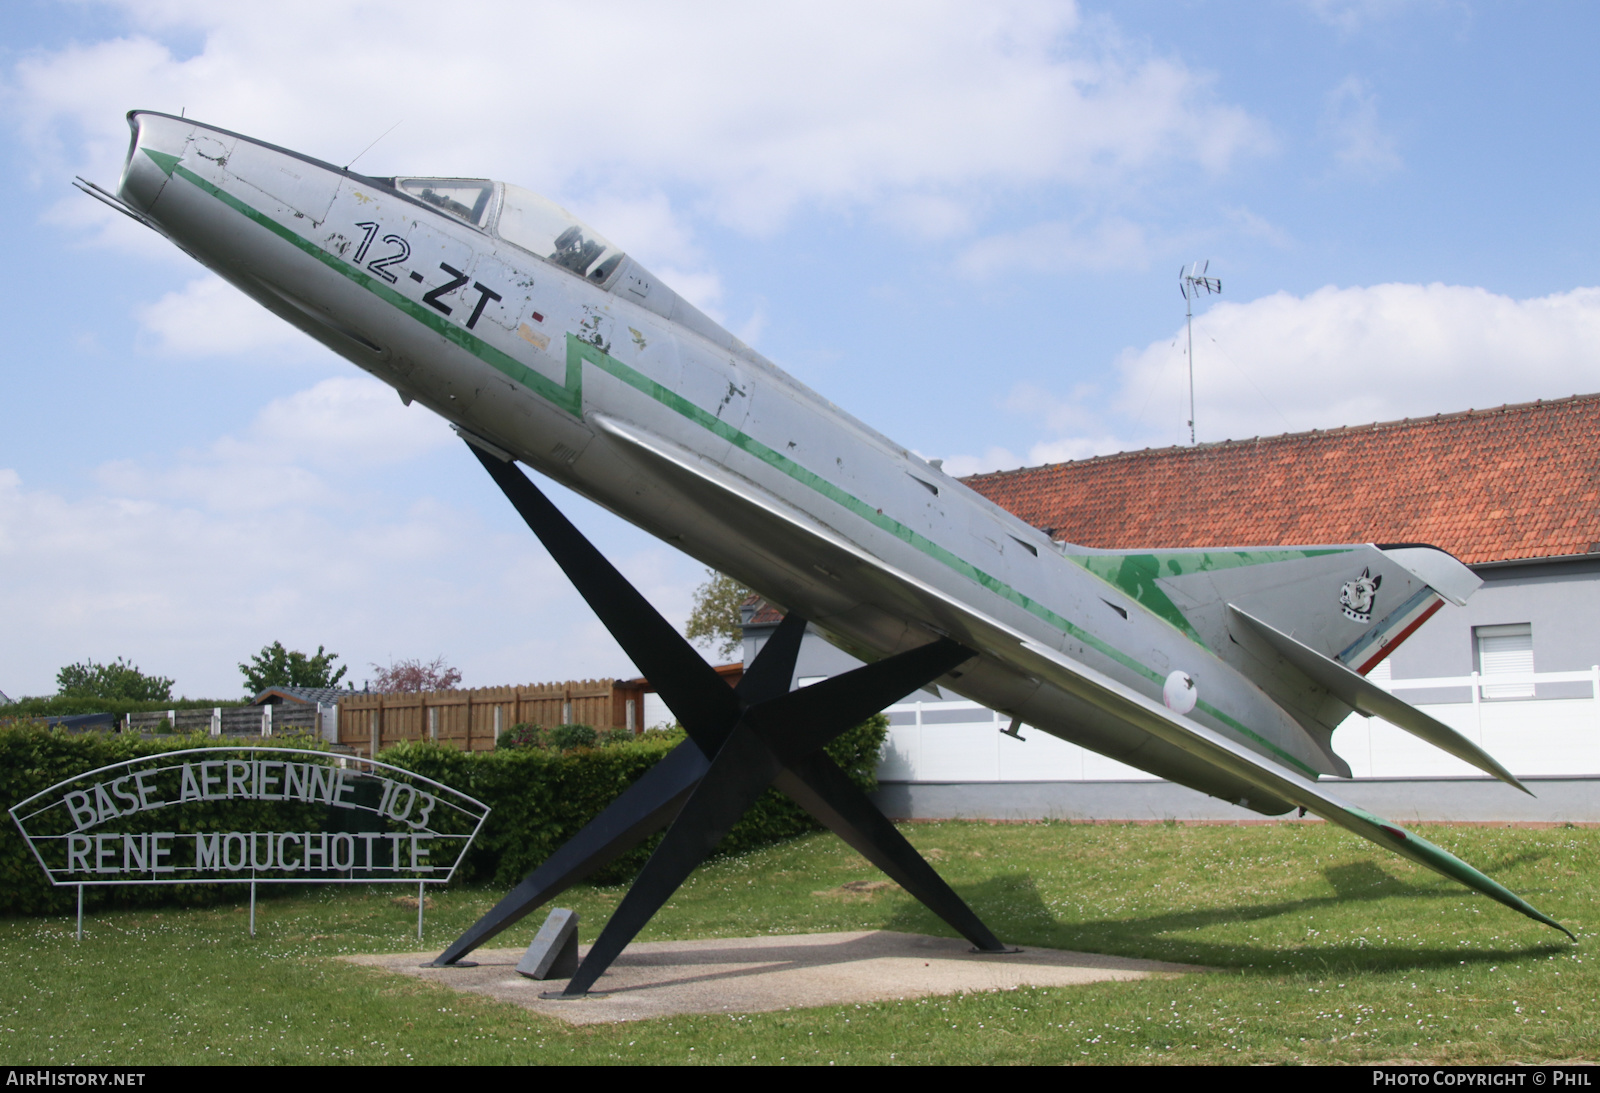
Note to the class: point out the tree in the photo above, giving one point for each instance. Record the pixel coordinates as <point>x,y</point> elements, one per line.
<point>276,666</point>
<point>112,681</point>
<point>715,620</point>
<point>413,675</point>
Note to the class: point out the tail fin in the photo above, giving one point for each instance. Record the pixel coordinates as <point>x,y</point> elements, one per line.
<point>1305,623</point>
<point>1352,603</point>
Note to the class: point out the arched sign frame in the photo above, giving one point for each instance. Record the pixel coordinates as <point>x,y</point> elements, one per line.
<point>398,818</point>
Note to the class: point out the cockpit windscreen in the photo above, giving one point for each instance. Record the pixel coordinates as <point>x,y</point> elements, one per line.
<point>467,198</point>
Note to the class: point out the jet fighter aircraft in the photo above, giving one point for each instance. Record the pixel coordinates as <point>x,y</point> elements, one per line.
<point>541,341</point>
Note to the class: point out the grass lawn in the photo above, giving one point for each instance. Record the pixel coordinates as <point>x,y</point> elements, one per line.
<point>1326,950</point>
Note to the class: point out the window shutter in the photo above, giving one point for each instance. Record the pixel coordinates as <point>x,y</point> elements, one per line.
<point>1505,650</point>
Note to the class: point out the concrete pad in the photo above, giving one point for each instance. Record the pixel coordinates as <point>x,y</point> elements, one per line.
<point>761,974</point>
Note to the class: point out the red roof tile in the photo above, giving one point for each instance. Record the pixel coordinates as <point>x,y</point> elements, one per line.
<point>1487,485</point>
<point>765,614</point>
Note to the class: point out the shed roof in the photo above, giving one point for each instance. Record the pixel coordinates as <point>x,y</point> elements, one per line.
<point>1517,482</point>
<point>310,696</point>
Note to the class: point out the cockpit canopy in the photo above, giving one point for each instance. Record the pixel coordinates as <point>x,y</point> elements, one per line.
<point>524,219</point>
<point>541,226</point>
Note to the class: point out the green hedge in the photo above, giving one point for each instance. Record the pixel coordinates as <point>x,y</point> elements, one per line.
<point>70,705</point>
<point>538,798</point>
<point>34,758</point>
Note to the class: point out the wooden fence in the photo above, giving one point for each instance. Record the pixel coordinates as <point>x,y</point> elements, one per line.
<point>473,720</point>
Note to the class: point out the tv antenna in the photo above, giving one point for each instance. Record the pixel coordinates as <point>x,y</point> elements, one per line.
<point>1192,281</point>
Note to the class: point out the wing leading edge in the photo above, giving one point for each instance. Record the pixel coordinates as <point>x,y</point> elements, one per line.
<point>1001,641</point>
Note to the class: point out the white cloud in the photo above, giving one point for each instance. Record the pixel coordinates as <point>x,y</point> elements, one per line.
<point>756,108</point>
<point>1110,243</point>
<point>1361,145</point>
<point>1344,356</point>
<point>344,422</point>
<point>1057,414</point>
<point>92,224</point>
<point>1079,416</point>
<point>1338,356</point>
<point>264,536</point>
<point>646,225</point>
<point>1252,226</point>
<point>1047,451</point>
<point>751,329</point>
<point>1351,16</point>
<point>930,216</point>
<point>293,454</point>
<point>190,591</point>
<point>995,459</point>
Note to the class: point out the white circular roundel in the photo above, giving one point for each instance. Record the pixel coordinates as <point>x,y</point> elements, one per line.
<point>1180,694</point>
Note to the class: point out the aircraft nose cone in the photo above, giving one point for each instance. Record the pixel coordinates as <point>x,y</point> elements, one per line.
<point>159,142</point>
<point>273,180</point>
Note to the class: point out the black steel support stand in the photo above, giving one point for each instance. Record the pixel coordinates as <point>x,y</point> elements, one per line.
<point>741,740</point>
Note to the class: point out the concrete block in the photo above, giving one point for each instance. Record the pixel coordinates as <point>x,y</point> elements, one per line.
<point>554,952</point>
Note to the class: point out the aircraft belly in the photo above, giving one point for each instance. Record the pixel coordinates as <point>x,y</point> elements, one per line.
<point>1069,718</point>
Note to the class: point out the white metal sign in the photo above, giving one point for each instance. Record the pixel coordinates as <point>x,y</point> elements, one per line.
<point>249,815</point>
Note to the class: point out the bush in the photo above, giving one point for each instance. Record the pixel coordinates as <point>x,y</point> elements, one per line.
<point>567,737</point>
<point>540,797</point>
<point>672,734</point>
<point>69,705</point>
<point>521,735</point>
<point>116,680</point>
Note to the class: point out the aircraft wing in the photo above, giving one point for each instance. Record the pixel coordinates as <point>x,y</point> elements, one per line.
<point>736,498</point>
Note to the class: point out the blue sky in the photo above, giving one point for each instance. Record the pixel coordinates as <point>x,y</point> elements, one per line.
<point>961,222</point>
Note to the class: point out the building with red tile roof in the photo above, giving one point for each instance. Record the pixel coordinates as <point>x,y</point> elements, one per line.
<point>1514,483</point>
<point>1514,492</point>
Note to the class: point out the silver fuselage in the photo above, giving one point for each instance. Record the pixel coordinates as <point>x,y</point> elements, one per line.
<point>560,371</point>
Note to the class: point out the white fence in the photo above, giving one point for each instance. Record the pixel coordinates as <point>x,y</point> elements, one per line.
<point>1531,736</point>
<point>962,741</point>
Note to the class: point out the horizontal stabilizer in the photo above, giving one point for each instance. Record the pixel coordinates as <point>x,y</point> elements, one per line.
<point>1368,698</point>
